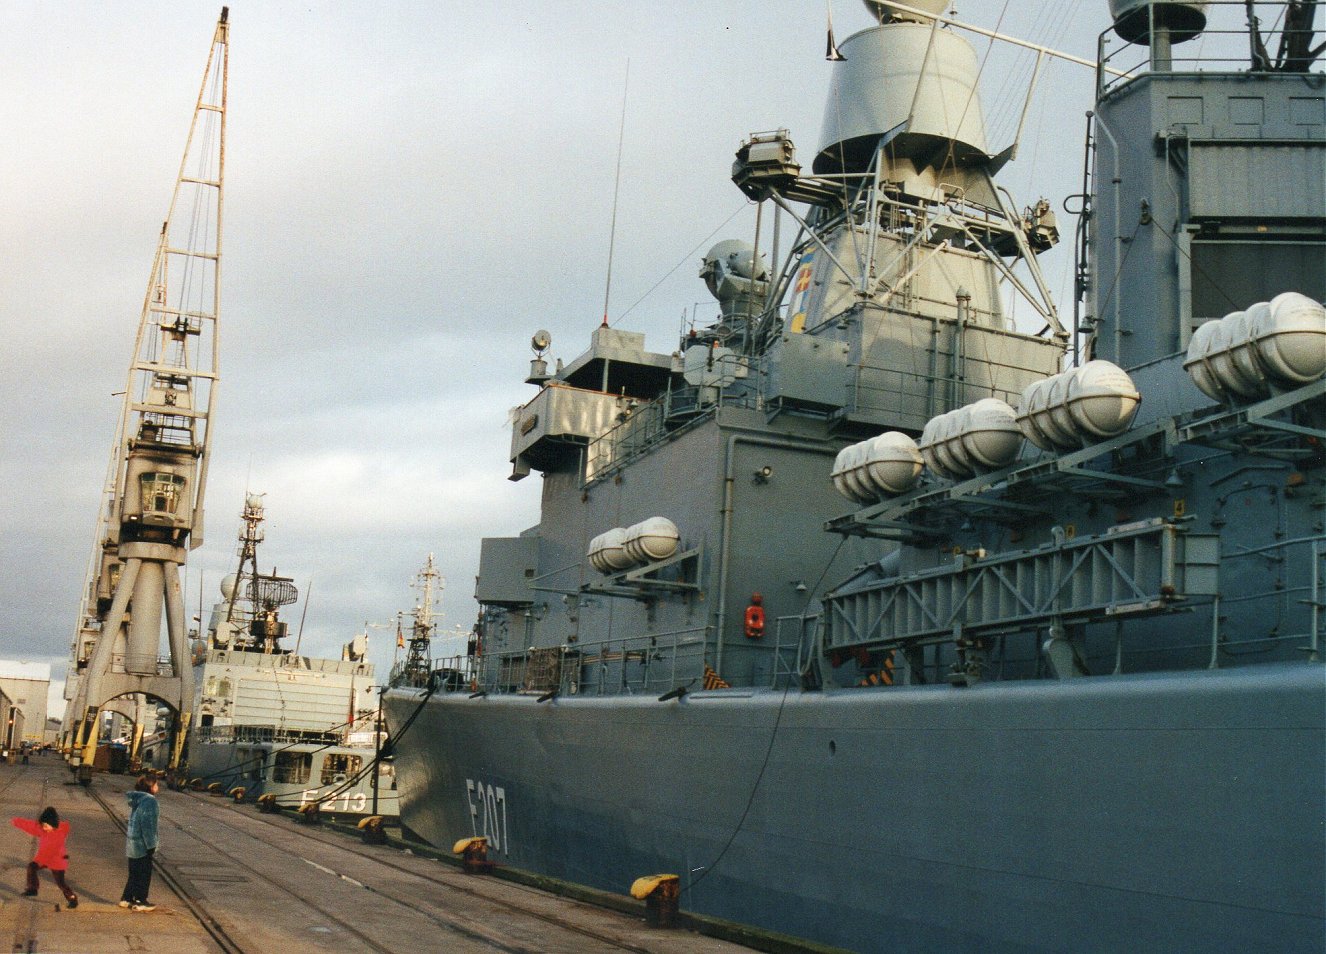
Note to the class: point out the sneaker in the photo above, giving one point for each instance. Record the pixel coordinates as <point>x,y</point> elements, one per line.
<point>73,903</point>
<point>124,904</point>
<point>144,907</point>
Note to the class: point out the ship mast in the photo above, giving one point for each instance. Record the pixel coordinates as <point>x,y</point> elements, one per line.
<point>253,599</point>
<point>418,661</point>
<point>153,508</point>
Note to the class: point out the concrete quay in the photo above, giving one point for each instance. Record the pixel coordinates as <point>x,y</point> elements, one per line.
<point>231,879</point>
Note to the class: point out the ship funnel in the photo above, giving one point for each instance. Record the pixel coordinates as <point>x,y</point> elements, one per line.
<point>890,13</point>
<point>1139,21</point>
<point>907,86</point>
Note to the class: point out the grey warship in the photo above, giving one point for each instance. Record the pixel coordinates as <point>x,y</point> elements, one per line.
<point>883,621</point>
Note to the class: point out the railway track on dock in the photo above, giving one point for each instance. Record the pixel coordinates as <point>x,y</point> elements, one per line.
<point>455,883</point>
<point>218,851</point>
<point>196,907</point>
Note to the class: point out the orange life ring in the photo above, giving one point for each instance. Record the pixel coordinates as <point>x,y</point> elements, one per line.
<point>754,618</point>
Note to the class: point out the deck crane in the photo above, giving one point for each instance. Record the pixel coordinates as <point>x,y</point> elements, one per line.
<point>152,511</point>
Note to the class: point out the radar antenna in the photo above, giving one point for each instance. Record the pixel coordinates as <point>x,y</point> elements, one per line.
<point>254,599</point>
<point>153,510</point>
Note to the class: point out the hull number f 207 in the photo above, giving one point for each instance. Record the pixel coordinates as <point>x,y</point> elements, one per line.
<point>488,812</point>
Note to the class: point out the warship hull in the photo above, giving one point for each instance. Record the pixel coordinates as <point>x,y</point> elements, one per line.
<point>1175,811</point>
<point>299,774</point>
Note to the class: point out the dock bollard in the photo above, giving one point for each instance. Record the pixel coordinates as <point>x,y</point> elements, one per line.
<point>267,804</point>
<point>661,894</point>
<point>474,855</point>
<point>237,793</point>
<point>371,830</point>
<point>308,814</point>
<point>215,788</point>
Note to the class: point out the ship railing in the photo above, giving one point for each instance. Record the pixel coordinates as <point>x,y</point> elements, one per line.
<point>1222,47</point>
<point>261,734</point>
<point>442,673</point>
<point>656,662</point>
<point>642,425</point>
<point>795,643</point>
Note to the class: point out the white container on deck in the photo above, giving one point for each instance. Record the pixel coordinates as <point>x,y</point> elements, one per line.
<point>1102,399</point>
<point>655,538</point>
<point>1291,338</point>
<point>892,463</point>
<point>990,435</point>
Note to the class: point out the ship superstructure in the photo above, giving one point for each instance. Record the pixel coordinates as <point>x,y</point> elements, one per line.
<point>271,721</point>
<point>887,622</point>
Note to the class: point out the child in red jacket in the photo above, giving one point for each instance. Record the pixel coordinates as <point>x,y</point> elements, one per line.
<point>50,833</point>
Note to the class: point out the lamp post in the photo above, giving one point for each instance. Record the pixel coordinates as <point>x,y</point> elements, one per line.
<point>377,749</point>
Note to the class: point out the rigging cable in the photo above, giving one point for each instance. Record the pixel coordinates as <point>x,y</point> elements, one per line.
<point>773,735</point>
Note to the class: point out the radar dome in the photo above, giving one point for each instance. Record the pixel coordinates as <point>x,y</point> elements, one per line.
<point>885,12</point>
<point>1133,19</point>
<point>732,257</point>
<point>228,585</point>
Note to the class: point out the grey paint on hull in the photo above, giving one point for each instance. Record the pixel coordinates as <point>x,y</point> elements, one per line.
<point>914,819</point>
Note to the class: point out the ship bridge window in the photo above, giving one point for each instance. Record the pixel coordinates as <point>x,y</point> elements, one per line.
<point>337,768</point>
<point>641,381</point>
<point>292,768</point>
<point>161,492</point>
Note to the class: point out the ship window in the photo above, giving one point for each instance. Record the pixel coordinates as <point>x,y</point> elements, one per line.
<point>161,492</point>
<point>292,768</point>
<point>340,765</point>
<point>1252,269</point>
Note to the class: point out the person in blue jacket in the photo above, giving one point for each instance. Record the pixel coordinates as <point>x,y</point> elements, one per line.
<point>140,844</point>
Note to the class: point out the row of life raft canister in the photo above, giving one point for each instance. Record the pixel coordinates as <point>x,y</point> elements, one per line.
<point>1280,342</point>
<point>1070,410</point>
<point>621,548</point>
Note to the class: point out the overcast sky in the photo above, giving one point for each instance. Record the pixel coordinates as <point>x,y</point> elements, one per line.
<point>411,190</point>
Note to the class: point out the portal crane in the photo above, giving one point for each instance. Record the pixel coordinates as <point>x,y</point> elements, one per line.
<point>152,512</point>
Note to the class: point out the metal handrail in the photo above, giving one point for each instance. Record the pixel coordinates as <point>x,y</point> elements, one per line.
<point>1233,60</point>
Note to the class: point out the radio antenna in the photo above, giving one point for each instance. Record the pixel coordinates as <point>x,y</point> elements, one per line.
<point>616,190</point>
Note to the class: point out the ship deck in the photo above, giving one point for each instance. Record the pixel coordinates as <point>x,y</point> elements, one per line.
<point>231,879</point>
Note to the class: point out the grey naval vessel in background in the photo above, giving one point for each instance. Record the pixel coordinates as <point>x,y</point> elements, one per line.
<point>270,722</point>
<point>883,623</point>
